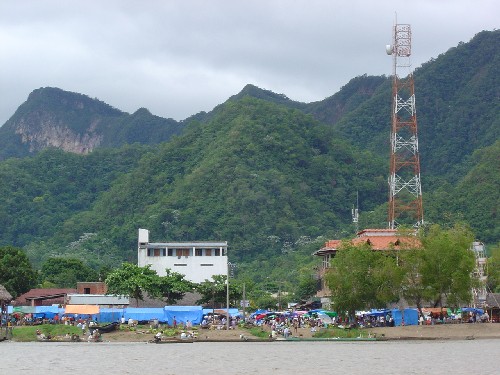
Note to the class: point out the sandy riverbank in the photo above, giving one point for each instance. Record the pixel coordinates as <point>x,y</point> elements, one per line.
<point>439,332</point>
<point>443,331</point>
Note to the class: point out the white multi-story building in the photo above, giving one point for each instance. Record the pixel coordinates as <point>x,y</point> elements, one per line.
<point>198,261</point>
<point>479,291</point>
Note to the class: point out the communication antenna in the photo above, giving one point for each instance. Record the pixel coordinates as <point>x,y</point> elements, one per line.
<point>405,190</point>
<point>355,214</point>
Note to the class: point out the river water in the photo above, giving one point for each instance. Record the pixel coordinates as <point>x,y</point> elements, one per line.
<point>220,358</point>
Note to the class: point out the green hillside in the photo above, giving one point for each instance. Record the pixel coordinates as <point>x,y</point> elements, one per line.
<point>258,175</point>
<point>39,193</point>
<point>474,199</point>
<point>273,177</point>
<point>457,101</point>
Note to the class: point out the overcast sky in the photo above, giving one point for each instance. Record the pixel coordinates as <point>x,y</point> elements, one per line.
<point>177,58</point>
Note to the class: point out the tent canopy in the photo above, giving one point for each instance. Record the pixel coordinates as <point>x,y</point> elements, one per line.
<point>473,310</point>
<point>184,313</point>
<point>232,311</point>
<point>47,311</point>
<point>144,314</point>
<point>408,316</point>
<point>82,309</point>
<point>24,309</point>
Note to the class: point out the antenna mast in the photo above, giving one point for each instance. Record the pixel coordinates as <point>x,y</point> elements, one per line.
<point>355,214</point>
<point>405,190</point>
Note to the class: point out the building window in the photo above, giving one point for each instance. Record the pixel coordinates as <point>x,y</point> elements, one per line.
<point>217,252</point>
<point>326,261</point>
<point>86,290</point>
<point>208,252</point>
<point>163,252</point>
<point>198,252</point>
<point>150,252</point>
<point>157,252</point>
<point>170,252</point>
<point>182,252</point>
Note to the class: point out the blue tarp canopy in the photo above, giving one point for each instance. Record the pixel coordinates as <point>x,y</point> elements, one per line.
<point>410,317</point>
<point>374,312</point>
<point>138,313</point>
<point>183,313</point>
<point>473,310</point>
<point>47,311</point>
<point>38,311</point>
<point>232,311</point>
<point>258,312</point>
<point>110,315</point>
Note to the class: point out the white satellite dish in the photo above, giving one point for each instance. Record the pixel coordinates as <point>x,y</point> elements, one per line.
<point>389,49</point>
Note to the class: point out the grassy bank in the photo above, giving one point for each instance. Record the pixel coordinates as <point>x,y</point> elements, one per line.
<point>258,332</point>
<point>340,333</point>
<point>28,333</point>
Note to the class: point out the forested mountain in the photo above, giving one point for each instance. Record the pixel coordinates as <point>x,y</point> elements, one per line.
<point>72,122</point>
<point>272,176</point>
<point>39,193</point>
<point>458,106</point>
<point>258,175</point>
<point>474,199</point>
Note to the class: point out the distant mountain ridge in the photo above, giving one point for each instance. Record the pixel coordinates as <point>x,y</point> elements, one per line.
<point>270,175</point>
<point>457,98</point>
<point>76,123</point>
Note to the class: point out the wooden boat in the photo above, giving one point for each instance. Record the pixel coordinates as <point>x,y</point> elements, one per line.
<point>171,340</point>
<point>59,339</point>
<point>331,339</point>
<point>105,328</point>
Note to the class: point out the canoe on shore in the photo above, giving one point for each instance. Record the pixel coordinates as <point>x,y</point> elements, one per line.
<point>331,339</point>
<point>105,328</point>
<point>172,340</point>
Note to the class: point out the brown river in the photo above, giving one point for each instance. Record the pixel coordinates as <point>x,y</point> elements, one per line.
<point>220,358</point>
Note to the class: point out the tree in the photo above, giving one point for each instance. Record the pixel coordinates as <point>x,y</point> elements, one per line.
<point>263,300</point>
<point>412,287</point>
<point>306,287</point>
<point>447,265</point>
<point>16,273</point>
<point>493,270</point>
<point>66,272</point>
<point>215,291</point>
<point>387,279</point>
<point>350,278</point>
<point>133,281</point>
<point>173,286</point>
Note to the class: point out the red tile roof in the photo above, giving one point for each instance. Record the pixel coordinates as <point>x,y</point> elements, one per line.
<point>378,239</point>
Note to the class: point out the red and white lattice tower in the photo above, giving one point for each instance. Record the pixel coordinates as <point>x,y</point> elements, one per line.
<point>405,191</point>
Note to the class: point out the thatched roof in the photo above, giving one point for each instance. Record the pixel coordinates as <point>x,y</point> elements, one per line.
<point>4,294</point>
<point>493,300</point>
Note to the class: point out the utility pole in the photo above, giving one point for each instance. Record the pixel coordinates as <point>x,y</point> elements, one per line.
<point>405,190</point>
<point>244,303</point>
<point>227,297</point>
<point>355,214</point>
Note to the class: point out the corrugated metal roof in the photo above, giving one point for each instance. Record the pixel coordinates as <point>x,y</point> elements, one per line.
<point>97,299</point>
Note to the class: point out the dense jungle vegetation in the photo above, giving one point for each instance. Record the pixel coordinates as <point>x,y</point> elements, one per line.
<point>273,177</point>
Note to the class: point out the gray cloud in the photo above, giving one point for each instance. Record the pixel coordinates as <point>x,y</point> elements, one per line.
<point>177,58</point>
